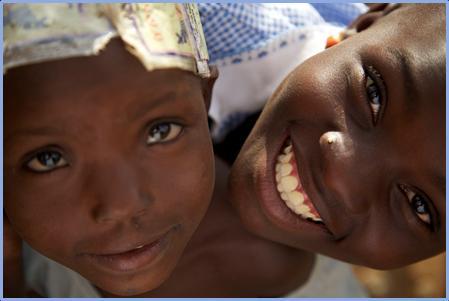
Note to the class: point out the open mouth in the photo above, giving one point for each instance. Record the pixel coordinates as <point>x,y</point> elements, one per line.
<point>290,188</point>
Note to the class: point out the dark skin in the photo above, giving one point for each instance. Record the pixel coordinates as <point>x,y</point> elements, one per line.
<point>224,260</point>
<point>379,186</point>
<point>92,155</point>
<point>83,174</point>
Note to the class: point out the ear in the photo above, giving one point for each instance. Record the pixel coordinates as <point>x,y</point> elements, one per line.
<point>207,85</point>
<point>375,12</point>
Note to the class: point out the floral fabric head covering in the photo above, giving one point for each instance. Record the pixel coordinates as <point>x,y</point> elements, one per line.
<point>160,35</point>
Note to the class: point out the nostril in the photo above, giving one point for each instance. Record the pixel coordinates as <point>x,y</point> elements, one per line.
<point>135,222</point>
<point>99,215</point>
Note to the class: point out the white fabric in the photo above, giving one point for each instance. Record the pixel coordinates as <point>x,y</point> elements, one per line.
<point>330,278</point>
<point>255,45</point>
<point>50,279</point>
<point>243,88</point>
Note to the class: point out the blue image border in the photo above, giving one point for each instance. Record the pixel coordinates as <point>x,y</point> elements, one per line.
<point>1,157</point>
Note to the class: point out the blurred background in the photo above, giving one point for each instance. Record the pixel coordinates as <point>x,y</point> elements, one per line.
<point>423,279</point>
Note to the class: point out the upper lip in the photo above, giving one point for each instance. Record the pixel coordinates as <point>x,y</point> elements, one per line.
<point>314,189</point>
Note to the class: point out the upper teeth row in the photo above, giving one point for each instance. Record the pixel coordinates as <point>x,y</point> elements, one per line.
<point>287,184</point>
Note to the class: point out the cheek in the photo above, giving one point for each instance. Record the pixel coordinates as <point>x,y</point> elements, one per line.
<point>42,217</point>
<point>382,244</point>
<point>195,180</point>
<point>186,183</point>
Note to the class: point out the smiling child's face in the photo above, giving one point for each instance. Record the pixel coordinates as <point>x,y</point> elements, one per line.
<point>366,170</point>
<point>108,167</point>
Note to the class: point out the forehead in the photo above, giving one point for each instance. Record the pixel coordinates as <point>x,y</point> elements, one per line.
<point>113,75</point>
<point>415,57</point>
<point>114,63</point>
<point>93,91</point>
<point>412,27</point>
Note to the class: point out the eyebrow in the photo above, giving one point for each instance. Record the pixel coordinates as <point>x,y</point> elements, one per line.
<point>440,181</point>
<point>38,131</point>
<point>159,100</point>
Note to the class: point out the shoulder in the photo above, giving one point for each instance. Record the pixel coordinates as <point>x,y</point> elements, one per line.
<point>239,260</point>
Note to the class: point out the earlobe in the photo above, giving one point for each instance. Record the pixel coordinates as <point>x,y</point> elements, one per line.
<point>207,85</point>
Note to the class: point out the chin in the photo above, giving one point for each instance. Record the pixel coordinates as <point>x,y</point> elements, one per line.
<point>132,285</point>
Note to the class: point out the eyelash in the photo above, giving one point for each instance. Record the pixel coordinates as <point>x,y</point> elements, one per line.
<point>426,218</point>
<point>375,88</point>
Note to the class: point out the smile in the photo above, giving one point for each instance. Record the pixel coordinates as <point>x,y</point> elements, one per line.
<point>290,188</point>
<point>132,258</point>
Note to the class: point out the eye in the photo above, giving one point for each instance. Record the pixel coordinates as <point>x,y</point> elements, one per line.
<point>419,203</point>
<point>46,161</point>
<point>163,132</point>
<point>373,92</point>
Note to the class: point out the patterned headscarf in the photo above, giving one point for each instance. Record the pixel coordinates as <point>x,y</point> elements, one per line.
<point>160,35</point>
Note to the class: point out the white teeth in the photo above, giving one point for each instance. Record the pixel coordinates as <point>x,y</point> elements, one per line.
<point>296,197</point>
<point>279,188</point>
<point>286,169</point>
<point>302,209</point>
<point>284,196</point>
<point>278,167</point>
<point>290,205</point>
<point>278,177</point>
<point>288,183</point>
<point>285,158</point>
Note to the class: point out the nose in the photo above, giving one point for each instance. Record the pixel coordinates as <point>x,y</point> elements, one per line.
<point>350,172</point>
<point>116,193</point>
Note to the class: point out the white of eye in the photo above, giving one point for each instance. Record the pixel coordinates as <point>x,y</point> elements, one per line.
<point>373,93</point>
<point>46,161</point>
<point>163,132</point>
<point>419,205</point>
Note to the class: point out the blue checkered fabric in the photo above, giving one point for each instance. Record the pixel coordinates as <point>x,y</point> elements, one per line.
<point>340,14</point>
<point>234,28</point>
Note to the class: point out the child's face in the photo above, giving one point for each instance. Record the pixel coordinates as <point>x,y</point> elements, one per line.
<point>108,167</point>
<point>376,180</point>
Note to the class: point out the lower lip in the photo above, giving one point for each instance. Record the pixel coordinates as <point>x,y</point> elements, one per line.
<point>131,260</point>
<point>275,208</point>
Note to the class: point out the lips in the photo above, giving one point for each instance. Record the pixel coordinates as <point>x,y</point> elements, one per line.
<point>139,256</point>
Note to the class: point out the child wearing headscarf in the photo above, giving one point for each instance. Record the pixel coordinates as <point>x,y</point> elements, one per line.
<point>108,160</point>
